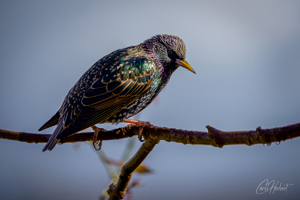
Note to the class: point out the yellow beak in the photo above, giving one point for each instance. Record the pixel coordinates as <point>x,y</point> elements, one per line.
<point>185,64</point>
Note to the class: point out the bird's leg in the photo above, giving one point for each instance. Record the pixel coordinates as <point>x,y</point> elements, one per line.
<point>97,143</point>
<point>141,125</point>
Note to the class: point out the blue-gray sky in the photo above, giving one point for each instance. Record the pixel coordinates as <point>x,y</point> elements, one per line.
<point>245,53</point>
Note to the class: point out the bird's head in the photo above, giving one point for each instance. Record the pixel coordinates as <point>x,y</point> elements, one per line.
<point>170,51</point>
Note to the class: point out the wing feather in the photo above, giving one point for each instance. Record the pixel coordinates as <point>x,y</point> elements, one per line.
<point>121,83</point>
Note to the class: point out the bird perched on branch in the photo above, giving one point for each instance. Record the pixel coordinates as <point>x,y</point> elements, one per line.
<point>118,86</point>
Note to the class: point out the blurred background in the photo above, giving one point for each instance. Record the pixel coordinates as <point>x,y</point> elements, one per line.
<point>247,58</point>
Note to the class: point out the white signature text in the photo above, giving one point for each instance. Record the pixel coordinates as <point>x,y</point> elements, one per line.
<point>272,186</point>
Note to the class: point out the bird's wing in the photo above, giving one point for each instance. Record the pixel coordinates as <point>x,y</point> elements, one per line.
<point>118,87</point>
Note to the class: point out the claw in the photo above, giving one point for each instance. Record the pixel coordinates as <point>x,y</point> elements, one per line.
<point>97,143</point>
<point>140,136</point>
<point>142,124</point>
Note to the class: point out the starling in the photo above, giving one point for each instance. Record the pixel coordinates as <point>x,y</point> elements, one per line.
<point>118,86</point>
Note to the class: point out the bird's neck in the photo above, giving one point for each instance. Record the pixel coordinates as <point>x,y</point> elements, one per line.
<point>150,50</point>
<point>154,49</point>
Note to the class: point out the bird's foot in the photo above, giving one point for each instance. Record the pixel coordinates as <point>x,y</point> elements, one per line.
<point>97,143</point>
<point>141,125</point>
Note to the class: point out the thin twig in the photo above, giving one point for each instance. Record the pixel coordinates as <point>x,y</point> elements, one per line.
<point>128,150</point>
<point>112,174</point>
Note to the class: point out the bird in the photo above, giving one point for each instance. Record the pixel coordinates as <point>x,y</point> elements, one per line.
<point>118,86</point>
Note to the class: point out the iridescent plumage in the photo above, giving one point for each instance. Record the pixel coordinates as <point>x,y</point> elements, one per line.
<point>118,86</point>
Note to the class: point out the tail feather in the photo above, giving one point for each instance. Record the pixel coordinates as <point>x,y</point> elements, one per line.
<point>53,121</point>
<point>53,139</point>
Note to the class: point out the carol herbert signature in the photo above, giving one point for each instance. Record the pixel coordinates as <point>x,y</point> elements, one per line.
<point>272,186</point>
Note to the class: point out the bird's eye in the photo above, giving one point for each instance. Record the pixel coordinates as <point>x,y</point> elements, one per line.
<point>170,53</point>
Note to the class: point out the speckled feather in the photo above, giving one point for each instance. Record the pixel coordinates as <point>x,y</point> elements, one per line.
<point>116,87</point>
<point>109,89</point>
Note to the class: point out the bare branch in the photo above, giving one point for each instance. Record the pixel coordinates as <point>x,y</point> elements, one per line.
<point>78,137</point>
<point>154,134</point>
<point>218,138</point>
<point>118,191</point>
<point>213,137</point>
